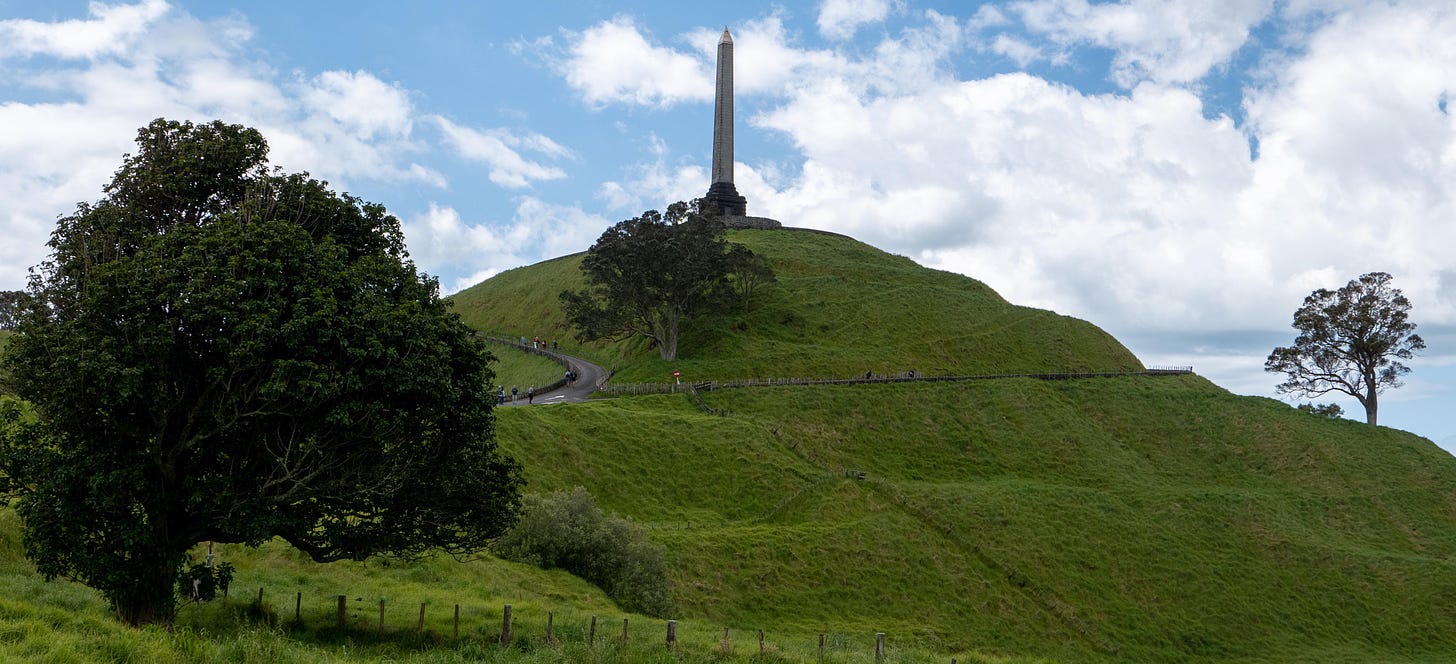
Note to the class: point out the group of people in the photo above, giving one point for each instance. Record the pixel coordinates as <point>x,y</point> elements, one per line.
<point>537,344</point>
<point>515,394</point>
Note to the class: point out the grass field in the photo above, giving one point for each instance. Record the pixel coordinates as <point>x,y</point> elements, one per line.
<point>1132,519</point>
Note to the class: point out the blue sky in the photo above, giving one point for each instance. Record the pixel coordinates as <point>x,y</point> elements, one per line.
<point>1179,173</point>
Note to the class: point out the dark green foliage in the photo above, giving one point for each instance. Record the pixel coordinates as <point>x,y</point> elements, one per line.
<point>221,352</point>
<point>10,309</point>
<point>747,272</point>
<point>648,274</point>
<point>567,530</point>
<point>1349,342</point>
<point>203,583</point>
<point>1330,410</point>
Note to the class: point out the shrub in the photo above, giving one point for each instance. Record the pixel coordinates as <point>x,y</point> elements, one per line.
<point>566,530</point>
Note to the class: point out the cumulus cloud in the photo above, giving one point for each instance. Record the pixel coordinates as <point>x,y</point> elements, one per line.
<point>614,61</point>
<point>477,250</point>
<point>498,149</point>
<point>840,19</point>
<point>108,29</point>
<point>125,65</point>
<point>1164,41</point>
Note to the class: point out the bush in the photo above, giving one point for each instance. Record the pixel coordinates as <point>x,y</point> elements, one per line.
<point>1331,410</point>
<point>566,530</point>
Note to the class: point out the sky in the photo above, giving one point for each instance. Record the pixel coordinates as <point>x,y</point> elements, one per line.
<point>1181,173</point>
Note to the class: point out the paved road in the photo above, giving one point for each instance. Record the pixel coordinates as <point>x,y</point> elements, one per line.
<point>588,377</point>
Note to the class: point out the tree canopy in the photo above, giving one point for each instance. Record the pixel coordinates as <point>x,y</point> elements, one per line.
<point>222,352</point>
<point>648,274</point>
<point>1350,341</point>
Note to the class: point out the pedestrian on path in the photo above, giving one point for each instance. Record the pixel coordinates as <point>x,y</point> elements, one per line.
<point>531,395</point>
<point>501,396</point>
<point>514,394</point>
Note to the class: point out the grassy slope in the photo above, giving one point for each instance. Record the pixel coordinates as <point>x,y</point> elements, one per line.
<point>1137,519</point>
<point>1151,518</point>
<point>1158,519</point>
<point>840,308</point>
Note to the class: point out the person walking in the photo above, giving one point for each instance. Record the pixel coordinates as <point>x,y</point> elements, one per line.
<point>531,395</point>
<point>501,396</point>
<point>514,394</point>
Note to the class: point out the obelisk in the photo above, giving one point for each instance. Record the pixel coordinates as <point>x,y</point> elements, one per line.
<point>722,195</point>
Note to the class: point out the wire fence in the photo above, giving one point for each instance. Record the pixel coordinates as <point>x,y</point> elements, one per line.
<point>875,379</point>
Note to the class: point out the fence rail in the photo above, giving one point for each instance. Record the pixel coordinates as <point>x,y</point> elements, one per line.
<point>338,612</point>
<point>870,379</point>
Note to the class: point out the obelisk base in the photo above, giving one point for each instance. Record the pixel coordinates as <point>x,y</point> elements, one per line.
<point>723,199</point>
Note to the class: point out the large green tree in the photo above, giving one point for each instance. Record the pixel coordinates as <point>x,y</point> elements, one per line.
<point>648,274</point>
<point>221,352</point>
<point>1350,341</point>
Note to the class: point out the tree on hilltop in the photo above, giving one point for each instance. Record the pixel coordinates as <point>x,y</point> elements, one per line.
<point>1350,341</point>
<point>222,352</point>
<point>648,274</point>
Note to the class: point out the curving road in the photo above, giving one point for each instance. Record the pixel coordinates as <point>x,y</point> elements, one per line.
<point>588,377</point>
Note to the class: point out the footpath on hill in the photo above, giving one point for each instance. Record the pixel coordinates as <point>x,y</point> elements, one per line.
<point>589,377</point>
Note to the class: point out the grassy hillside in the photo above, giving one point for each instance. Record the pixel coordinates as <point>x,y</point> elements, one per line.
<point>1137,519</point>
<point>1143,519</point>
<point>840,308</point>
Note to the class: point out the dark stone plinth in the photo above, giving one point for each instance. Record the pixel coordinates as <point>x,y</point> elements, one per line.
<point>723,199</point>
<point>754,223</point>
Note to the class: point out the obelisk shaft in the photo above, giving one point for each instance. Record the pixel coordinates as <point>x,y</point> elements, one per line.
<point>722,197</point>
<point>723,112</point>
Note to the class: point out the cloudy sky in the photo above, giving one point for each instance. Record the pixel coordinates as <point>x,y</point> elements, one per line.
<point>1179,172</point>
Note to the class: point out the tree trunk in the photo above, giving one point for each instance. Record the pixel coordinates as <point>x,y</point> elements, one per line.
<point>669,338</point>
<point>151,601</point>
<point>1371,407</point>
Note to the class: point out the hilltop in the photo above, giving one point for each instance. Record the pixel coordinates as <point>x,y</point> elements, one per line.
<point>840,308</point>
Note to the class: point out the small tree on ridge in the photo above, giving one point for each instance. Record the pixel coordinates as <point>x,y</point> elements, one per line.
<point>1350,341</point>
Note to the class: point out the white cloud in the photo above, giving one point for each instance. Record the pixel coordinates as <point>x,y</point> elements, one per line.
<point>109,29</point>
<point>478,250</point>
<point>1019,51</point>
<point>1164,41</point>
<point>840,19</point>
<point>360,103</point>
<point>128,64</point>
<point>496,148</point>
<point>614,62</point>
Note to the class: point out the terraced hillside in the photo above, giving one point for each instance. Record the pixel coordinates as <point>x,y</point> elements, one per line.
<point>1123,519</point>
<point>1130,519</point>
<point>1138,519</point>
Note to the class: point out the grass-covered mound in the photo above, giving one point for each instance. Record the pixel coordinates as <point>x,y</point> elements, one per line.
<point>1137,519</point>
<point>840,308</point>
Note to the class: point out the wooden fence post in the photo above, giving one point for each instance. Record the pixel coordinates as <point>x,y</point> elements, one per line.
<point>879,646</point>
<point>343,604</point>
<point>671,634</point>
<point>821,648</point>
<point>550,619</point>
<point>298,608</point>
<point>260,599</point>
<point>506,626</point>
<point>420,626</point>
<point>725,645</point>
<point>381,614</point>
<point>457,621</point>
<point>760,642</point>
<point>624,630</point>
<point>591,637</point>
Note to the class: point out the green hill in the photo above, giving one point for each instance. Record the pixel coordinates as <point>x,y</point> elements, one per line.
<point>1125,519</point>
<point>1129,519</point>
<point>840,308</point>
